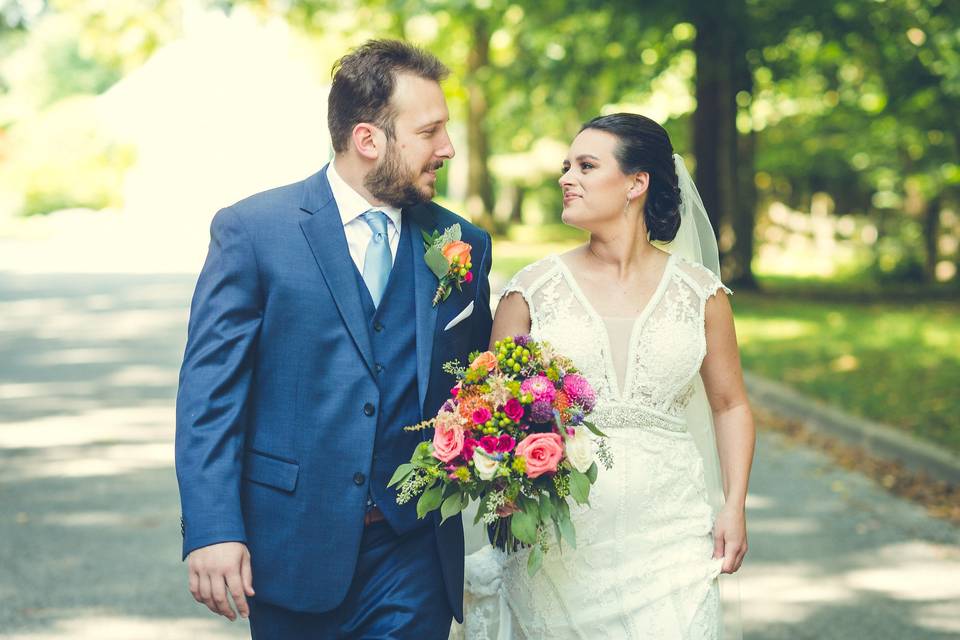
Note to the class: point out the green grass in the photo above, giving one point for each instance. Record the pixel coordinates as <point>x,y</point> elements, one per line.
<point>889,355</point>
<point>894,362</point>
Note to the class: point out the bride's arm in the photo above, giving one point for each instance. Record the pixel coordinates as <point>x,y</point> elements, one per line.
<point>723,379</point>
<point>512,317</point>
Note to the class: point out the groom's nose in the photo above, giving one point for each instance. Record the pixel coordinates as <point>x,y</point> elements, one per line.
<point>445,150</point>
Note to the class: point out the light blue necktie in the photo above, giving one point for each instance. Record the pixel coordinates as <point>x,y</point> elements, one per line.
<point>378,261</point>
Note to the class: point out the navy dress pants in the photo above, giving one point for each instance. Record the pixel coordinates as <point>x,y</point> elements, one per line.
<point>397,593</point>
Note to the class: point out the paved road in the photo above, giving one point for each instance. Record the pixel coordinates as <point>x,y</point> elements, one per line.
<point>89,529</point>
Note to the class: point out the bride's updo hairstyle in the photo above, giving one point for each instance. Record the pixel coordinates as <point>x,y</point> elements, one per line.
<point>643,145</point>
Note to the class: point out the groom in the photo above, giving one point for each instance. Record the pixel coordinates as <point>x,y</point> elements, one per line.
<point>313,341</point>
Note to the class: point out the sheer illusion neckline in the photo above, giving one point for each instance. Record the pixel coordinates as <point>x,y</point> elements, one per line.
<point>613,381</point>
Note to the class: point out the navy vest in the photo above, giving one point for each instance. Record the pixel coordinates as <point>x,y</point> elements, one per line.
<point>393,335</point>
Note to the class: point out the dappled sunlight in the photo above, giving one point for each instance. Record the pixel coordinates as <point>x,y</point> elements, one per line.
<point>143,423</point>
<point>114,627</point>
<point>101,460</point>
<point>790,526</point>
<point>769,329</point>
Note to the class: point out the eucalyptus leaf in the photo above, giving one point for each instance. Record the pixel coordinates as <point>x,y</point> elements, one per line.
<point>592,473</point>
<point>451,507</point>
<point>429,501</point>
<point>523,527</point>
<point>401,474</point>
<point>437,263</point>
<point>535,561</point>
<point>579,487</point>
<point>593,428</point>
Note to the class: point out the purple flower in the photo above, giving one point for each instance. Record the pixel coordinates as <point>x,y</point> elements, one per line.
<point>521,340</point>
<point>541,411</point>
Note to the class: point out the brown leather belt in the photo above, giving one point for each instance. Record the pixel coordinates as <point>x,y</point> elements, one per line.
<point>372,515</point>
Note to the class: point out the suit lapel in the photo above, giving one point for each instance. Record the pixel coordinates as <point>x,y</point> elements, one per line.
<point>425,284</point>
<point>324,233</point>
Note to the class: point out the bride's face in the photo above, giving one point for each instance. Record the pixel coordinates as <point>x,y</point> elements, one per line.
<point>595,190</point>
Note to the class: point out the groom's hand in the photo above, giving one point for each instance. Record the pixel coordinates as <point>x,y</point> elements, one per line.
<point>218,569</point>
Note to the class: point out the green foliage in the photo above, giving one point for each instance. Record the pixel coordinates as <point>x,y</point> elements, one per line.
<point>896,363</point>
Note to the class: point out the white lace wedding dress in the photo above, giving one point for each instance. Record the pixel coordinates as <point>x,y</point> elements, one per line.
<point>643,565</point>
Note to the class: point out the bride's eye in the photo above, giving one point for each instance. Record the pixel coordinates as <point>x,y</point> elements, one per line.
<point>586,165</point>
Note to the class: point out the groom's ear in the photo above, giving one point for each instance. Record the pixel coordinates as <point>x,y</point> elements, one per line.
<point>368,140</point>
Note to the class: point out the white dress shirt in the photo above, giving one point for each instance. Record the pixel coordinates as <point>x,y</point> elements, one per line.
<point>352,205</point>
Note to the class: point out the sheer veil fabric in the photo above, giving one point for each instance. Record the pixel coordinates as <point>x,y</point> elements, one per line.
<point>695,241</point>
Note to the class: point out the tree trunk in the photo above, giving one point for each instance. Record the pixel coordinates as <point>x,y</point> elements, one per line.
<point>931,236</point>
<point>724,163</point>
<point>516,204</point>
<point>480,200</point>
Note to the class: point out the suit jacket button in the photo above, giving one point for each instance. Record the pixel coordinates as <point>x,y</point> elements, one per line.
<point>369,409</point>
<point>377,326</point>
<point>359,478</point>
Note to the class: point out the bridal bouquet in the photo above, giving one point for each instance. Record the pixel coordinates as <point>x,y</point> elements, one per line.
<point>514,436</point>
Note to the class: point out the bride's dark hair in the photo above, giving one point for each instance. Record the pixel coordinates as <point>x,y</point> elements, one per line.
<point>643,145</point>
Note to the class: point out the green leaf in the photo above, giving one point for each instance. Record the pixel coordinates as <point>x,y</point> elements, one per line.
<point>546,508</point>
<point>592,473</point>
<point>401,474</point>
<point>535,561</point>
<point>429,501</point>
<point>437,263</point>
<point>579,487</point>
<point>531,506</point>
<point>556,530</point>
<point>451,234</point>
<point>593,429</point>
<point>452,506</point>
<point>523,527</point>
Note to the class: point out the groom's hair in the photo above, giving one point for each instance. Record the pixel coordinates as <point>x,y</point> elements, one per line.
<point>364,80</point>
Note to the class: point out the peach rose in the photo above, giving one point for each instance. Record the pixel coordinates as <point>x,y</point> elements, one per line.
<point>486,360</point>
<point>542,451</point>
<point>447,440</point>
<point>457,249</point>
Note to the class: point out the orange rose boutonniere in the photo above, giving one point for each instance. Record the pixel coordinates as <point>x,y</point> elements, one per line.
<point>449,259</point>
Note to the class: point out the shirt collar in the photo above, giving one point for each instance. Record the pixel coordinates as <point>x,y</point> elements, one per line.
<point>351,204</point>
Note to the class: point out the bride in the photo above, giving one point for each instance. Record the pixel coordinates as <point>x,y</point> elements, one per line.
<point>645,326</point>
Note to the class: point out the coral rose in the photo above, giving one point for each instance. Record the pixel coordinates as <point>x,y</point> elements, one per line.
<point>486,360</point>
<point>542,452</point>
<point>459,250</point>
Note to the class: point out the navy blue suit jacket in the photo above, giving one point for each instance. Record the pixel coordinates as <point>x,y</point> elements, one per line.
<point>272,433</point>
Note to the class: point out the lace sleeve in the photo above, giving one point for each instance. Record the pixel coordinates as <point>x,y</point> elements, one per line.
<point>704,281</point>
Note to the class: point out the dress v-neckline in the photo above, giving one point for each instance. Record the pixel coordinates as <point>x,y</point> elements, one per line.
<point>641,318</point>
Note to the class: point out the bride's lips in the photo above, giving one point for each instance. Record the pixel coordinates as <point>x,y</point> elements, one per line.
<point>568,197</point>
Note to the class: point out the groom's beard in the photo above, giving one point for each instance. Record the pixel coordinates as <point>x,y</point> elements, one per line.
<point>392,183</point>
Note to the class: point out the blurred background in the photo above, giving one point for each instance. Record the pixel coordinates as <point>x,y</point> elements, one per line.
<point>824,139</point>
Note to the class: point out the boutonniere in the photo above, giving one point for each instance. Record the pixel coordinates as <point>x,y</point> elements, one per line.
<point>449,259</point>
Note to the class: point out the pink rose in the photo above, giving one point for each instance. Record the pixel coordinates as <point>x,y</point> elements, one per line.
<point>481,415</point>
<point>469,444</point>
<point>542,452</point>
<point>447,441</point>
<point>489,443</point>
<point>506,443</point>
<point>513,409</point>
